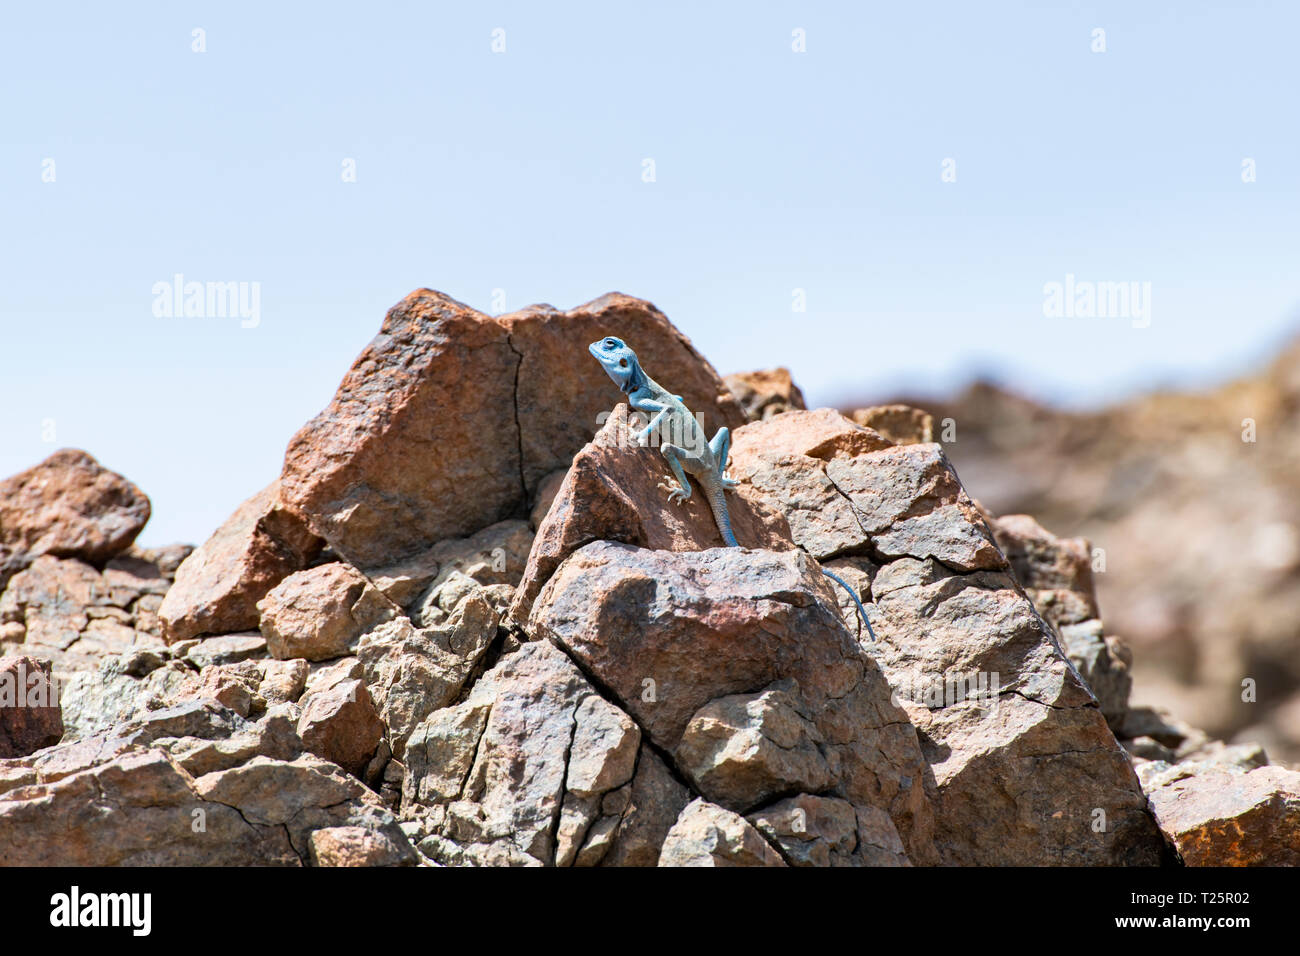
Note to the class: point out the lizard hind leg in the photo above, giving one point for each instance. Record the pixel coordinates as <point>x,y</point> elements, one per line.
<point>674,456</point>
<point>721,448</point>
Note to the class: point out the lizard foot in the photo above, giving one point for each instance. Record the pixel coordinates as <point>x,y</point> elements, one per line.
<point>729,482</point>
<point>675,493</point>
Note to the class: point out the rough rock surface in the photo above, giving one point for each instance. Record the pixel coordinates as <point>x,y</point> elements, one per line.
<point>901,424</point>
<point>1193,498</point>
<point>318,614</point>
<point>708,835</point>
<point>1057,575</point>
<point>1217,815</point>
<point>68,506</point>
<point>672,635</point>
<point>612,493</point>
<point>193,785</point>
<point>450,418</point>
<point>765,393</point>
<point>847,490</point>
<point>218,586</point>
<point>30,717</point>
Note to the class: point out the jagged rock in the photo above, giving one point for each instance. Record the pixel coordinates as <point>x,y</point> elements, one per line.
<point>318,614</point>
<point>901,424</point>
<point>1218,815</point>
<point>159,792</point>
<point>218,586</point>
<point>707,835</point>
<point>668,633</point>
<point>95,700</point>
<point>547,489</point>
<point>846,489</point>
<point>744,749</point>
<point>30,716</point>
<point>765,393</point>
<point>355,846</point>
<point>495,555</point>
<point>342,725</point>
<point>284,681</point>
<point>1000,711</point>
<point>227,649</point>
<point>68,506</point>
<point>501,401</point>
<point>1057,575</point>
<point>611,493</point>
<point>631,833</point>
<point>166,559</point>
<point>824,831</point>
<point>518,773</point>
<point>411,672</point>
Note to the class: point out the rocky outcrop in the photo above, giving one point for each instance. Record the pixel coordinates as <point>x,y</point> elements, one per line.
<point>193,785</point>
<point>1193,501</point>
<point>611,493</point>
<point>218,586</point>
<point>901,424</point>
<point>68,506</point>
<point>450,418</point>
<point>437,684</point>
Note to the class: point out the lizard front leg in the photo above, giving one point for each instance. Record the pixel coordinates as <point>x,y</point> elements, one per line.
<point>649,405</point>
<point>673,454</point>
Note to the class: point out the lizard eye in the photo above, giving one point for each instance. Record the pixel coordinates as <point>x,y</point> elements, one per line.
<point>609,343</point>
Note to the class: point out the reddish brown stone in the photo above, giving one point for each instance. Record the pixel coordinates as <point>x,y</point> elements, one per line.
<point>30,716</point>
<point>68,506</point>
<point>612,493</point>
<point>218,586</point>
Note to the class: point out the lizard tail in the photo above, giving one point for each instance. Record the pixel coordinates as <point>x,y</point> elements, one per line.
<point>719,505</point>
<point>853,594</point>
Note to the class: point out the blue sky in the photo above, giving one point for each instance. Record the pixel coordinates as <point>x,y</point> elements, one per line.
<point>523,171</point>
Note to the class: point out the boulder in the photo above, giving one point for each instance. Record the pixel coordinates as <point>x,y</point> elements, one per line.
<point>612,493</point>
<point>30,715</point>
<point>523,770</point>
<point>68,506</point>
<point>708,835</point>
<point>186,786</point>
<point>218,586</point>
<point>847,490</point>
<point>765,393</point>
<point>342,725</point>
<point>318,614</point>
<point>823,831</point>
<point>999,710</point>
<point>671,636</point>
<point>450,418</point>
<point>1217,815</point>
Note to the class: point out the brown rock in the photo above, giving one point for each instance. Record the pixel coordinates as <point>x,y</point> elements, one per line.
<point>450,418</point>
<point>669,634</point>
<point>218,586</point>
<point>823,831</point>
<point>611,493</point>
<point>30,716</point>
<point>1219,816</point>
<point>356,846</point>
<point>654,801</point>
<point>68,506</point>
<point>314,614</point>
<point>765,393</point>
<point>901,424</point>
<point>708,835</point>
<point>342,725</point>
<point>845,489</point>
<point>999,710</point>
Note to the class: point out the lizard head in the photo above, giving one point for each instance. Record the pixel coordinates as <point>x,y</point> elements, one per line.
<point>618,360</point>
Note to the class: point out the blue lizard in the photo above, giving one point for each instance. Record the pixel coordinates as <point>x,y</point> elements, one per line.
<point>687,452</point>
